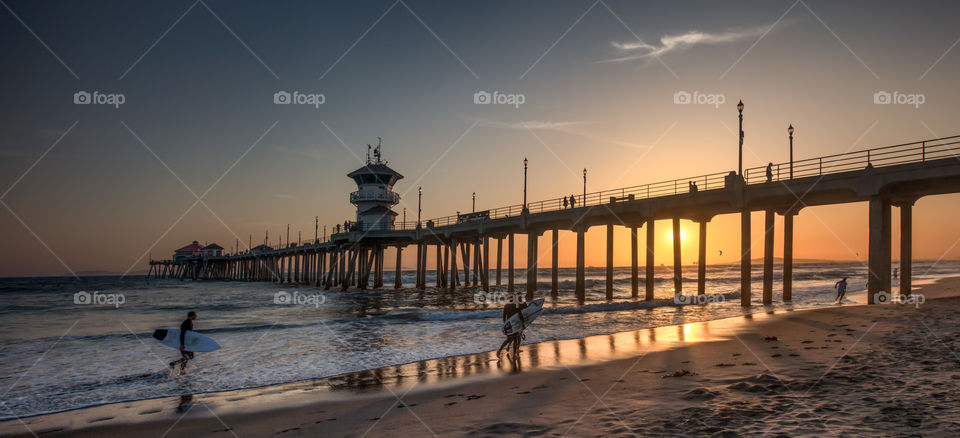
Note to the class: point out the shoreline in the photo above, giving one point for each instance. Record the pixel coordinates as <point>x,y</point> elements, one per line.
<point>418,378</point>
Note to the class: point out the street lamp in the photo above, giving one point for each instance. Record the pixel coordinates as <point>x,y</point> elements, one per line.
<point>474,210</point>
<point>419,204</point>
<point>584,186</point>
<point>404,218</point>
<point>740,161</point>
<point>790,131</point>
<point>525,183</point>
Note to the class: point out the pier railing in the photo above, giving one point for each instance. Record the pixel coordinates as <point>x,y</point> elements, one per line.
<point>916,152</point>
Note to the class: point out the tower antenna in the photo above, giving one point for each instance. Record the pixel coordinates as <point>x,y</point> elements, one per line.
<point>368,152</point>
<point>376,152</point>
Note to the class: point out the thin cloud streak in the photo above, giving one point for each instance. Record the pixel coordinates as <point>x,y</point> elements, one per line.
<point>640,50</point>
<point>569,127</point>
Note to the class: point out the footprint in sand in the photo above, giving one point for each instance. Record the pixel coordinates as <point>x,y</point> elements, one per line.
<point>475,397</point>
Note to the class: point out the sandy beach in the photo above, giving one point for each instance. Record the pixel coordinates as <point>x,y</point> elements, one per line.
<point>852,370</point>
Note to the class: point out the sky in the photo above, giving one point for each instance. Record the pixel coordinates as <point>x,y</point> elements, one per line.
<point>188,143</point>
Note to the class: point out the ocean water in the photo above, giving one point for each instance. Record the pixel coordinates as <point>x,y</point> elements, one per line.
<point>59,355</point>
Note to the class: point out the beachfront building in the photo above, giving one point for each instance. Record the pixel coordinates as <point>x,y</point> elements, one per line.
<point>191,250</point>
<point>375,197</point>
<point>211,250</point>
<point>259,249</point>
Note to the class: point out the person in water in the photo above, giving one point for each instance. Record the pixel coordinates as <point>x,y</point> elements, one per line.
<point>841,289</point>
<point>513,307</point>
<point>185,356</point>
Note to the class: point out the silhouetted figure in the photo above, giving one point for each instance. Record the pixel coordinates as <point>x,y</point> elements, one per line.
<point>566,202</point>
<point>769,172</point>
<point>573,201</point>
<point>841,289</point>
<point>185,355</point>
<point>510,309</point>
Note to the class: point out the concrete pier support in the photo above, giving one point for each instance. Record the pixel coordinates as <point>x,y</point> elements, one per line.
<point>677,261</point>
<point>609,282</point>
<point>879,248</point>
<point>555,264</point>
<point>649,279</point>
<point>532,238</point>
<point>419,257</point>
<point>398,272</point>
<point>906,248</point>
<point>485,276</point>
<point>769,225</point>
<point>446,265</point>
<point>423,267</point>
<point>580,292</point>
<point>465,252</point>
<point>439,270</point>
<point>499,258</point>
<point>510,262</point>
<point>788,256</point>
<point>702,259</point>
<point>453,264</point>
<point>634,268</point>
<point>745,258</point>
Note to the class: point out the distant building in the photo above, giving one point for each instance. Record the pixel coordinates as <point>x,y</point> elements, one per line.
<point>375,196</point>
<point>211,250</point>
<point>260,249</point>
<point>191,250</point>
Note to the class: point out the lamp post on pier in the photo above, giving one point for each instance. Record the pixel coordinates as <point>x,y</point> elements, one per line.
<point>790,131</point>
<point>584,203</point>
<point>525,184</point>
<point>740,160</point>
<point>404,217</point>
<point>419,204</point>
<point>474,210</point>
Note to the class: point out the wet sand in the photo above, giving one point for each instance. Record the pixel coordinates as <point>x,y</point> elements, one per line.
<point>851,370</point>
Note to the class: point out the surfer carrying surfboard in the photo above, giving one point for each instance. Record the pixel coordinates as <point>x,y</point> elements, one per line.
<point>185,355</point>
<point>514,307</point>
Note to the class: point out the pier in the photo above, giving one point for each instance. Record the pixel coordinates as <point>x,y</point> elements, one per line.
<point>885,177</point>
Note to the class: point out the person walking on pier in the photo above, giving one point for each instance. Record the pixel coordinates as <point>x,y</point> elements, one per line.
<point>573,202</point>
<point>565,203</point>
<point>513,307</point>
<point>185,356</point>
<point>769,172</point>
<point>841,287</point>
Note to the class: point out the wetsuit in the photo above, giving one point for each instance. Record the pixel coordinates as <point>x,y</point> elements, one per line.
<point>185,355</point>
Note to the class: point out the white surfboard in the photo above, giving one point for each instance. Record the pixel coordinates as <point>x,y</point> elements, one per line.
<point>514,325</point>
<point>192,341</point>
